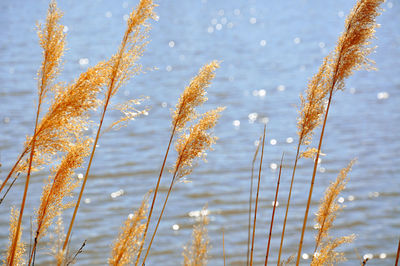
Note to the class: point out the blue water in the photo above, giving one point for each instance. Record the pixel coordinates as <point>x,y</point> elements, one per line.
<point>269,50</point>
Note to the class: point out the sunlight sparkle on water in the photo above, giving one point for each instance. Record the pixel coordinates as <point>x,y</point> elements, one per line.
<point>253,20</point>
<point>281,88</point>
<point>273,166</point>
<point>382,256</point>
<point>252,117</point>
<point>210,29</point>
<point>273,203</point>
<point>168,68</point>
<point>382,95</point>
<point>87,200</point>
<point>218,26</point>
<point>350,198</point>
<point>118,193</point>
<point>289,140</point>
<point>296,40</point>
<point>108,14</point>
<point>305,256</point>
<point>263,43</point>
<point>273,141</point>
<point>340,200</point>
<point>65,29</point>
<point>175,227</point>
<point>236,123</point>
<point>84,61</point>
<point>171,44</point>
<point>125,17</point>
<point>368,256</point>
<point>262,93</point>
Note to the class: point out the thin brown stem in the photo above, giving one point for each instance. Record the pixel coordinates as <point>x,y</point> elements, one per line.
<point>155,195</point>
<point>3,184</point>
<point>15,239</point>
<point>398,254</point>
<point>223,245</point>
<point>86,174</point>
<point>251,201</point>
<point>256,206</point>
<point>159,218</point>
<point>273,211</point>
<point>288,201</point>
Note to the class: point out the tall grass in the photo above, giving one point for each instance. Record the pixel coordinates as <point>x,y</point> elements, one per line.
<point>60,132</point>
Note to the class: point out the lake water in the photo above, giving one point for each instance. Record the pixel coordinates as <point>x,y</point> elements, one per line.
<point>269,50</point>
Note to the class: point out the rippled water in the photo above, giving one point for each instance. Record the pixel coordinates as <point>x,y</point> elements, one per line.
<point>269,51</point>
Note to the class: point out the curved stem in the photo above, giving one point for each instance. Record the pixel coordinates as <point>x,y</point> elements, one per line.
<point>154,196</point>
<point>273,211</point>
<point>288,201</point>
<point>255,208</point>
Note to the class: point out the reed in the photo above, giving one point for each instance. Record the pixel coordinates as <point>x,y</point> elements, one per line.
<point>192,97</point>
<point>123,67</point>
<point>52,41</point>
<point>60,185</point>
<point>128,243</point>
<point>273,210</point>
<point>256,203</point>
<point>251,199</point>
<point>350,54</point>
<point>189,146</point>
<point>196,254</point>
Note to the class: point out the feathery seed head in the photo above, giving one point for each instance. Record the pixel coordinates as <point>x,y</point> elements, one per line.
<point>193,144</point>
<point>20,247</point>
<point>193,96</point>
<point>127,245</point>
<point>196,254</point>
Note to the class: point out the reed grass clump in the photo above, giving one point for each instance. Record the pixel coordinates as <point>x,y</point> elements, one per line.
<point>59,136</point>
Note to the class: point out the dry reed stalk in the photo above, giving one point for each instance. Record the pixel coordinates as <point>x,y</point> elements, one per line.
<point>350,54</point>
<point>123,66</point>
<point>60,185</point>
<point>273,210</point>
<point>20,248</point>
<point>256,204</point>
<point>52,40</point>
<point>312,108</point>
<point>329,207</point>
<point>192,96</point>
<point>251,200</point>
<point>189,147</point>
<point>196,254</point>
<point>128,243</point>
<point>398,254</point>
<point>223,246</point>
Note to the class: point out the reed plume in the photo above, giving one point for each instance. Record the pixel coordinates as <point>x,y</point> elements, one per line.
<point>13,237</point>
<point>196,254</point>
<point>350,54</point>
<point>127,245</point>
<point>123,67</point>
<point>329,207</point>
<point>192,97</point>
<point>52,40</point>
<point>66,117</point>
<point>190,146</point>
<point>328,254</point>
<point>59,186</point>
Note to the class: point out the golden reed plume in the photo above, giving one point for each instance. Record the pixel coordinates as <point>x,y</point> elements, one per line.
<point>20,247</point>
<point>196,254</point>
<point>329,207</point>
<point>128,243</point>
<point>192,97</point>
<point>123,67</point>
<point>52,41</point>
<point>350,54</point>
<point>59,186</point>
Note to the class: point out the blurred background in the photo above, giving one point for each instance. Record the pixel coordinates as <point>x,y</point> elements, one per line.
<point>269,50</point>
